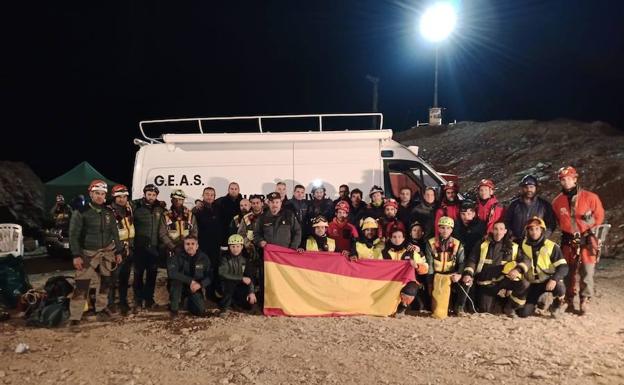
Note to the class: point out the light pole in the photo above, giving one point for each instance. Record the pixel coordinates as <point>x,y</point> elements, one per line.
<point>375,81</point>
<point>436,24</point>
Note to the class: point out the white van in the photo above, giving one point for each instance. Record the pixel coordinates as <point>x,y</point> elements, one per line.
<point>257,160</point>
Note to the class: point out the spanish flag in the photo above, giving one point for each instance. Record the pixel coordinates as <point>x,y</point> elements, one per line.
<point>328,284</point>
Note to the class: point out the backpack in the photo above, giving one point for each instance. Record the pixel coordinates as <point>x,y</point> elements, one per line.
<point>54,310</point>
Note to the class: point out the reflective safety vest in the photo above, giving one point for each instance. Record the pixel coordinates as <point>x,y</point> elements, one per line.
<point>179,226</point>
<point>311,244</point>
<point>483,260</point>
<point>249,219</point>
<point>125,224</point>
<point>539,271</point>
<point>444,261</point>
<point>417,259</point>
<point>365,252</point>
<point>483,256</point>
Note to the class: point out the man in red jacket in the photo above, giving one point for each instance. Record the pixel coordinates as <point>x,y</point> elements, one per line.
<point>488,208</point>
<point>578,212</point>
<point>340,230</point>
<point>449,205</point>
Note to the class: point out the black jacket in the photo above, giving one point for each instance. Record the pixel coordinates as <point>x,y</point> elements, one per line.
<point>282,229</point>
<point>235,268</point>
<point>518,213</point>
<point>470,235</point>
<point>179,268</point>
<point>209,229</point>
<point>228,208</point>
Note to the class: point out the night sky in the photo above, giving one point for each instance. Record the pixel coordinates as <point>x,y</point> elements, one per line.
<point>78,77</point>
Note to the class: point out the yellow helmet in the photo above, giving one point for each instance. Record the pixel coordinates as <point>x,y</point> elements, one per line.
<point>536,221</point>
<point>369,223</point>
<point>178,194</point>
<point>446,221</point>
<point>235,239</point>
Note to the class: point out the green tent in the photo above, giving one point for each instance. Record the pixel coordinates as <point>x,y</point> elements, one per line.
<point>73,182</point>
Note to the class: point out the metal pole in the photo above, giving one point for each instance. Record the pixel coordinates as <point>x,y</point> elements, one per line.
<point>435,82</point>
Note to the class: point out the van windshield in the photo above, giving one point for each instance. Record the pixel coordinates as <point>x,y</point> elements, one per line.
<point>411,174</point>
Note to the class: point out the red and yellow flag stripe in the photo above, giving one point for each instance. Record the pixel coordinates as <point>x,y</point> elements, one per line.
<point>328,284</point>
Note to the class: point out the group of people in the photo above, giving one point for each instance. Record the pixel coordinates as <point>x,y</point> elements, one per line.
<point>493,256</point>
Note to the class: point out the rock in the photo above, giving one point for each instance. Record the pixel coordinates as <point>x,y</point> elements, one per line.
<point>22,348</point>
<point>502,361</point>
<point>472,355</point>
<point>2,374</point>
<point>235,338</point>
<point>539,374</point>
<point>191,353</point>
<point>224,381</point>
<point>176,355</point>
<point>489,376</point>
<point>136,371</point>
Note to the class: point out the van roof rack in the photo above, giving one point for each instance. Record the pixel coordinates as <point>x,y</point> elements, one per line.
<point>259,120</point>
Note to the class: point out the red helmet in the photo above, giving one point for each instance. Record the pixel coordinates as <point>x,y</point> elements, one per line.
<point>342,205</point>
<point>119,190</point>
<point>487,182</point>
<point>98,185</point>
<point>567,171</point>
<point>450,185</point>
<point>391,203</point>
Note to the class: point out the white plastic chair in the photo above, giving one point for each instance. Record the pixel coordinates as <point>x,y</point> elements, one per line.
<point>11,240</point>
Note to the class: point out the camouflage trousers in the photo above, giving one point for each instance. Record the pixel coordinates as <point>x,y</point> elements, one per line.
<point>96,272</point>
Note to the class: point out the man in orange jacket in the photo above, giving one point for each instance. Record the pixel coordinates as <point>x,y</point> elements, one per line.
<point>578,212</point>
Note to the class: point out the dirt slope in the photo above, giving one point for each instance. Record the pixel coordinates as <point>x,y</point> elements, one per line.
<point>507,150</point>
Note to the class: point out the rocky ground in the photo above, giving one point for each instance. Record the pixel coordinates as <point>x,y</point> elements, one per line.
<point>150,348</point>
<point>507,150</point>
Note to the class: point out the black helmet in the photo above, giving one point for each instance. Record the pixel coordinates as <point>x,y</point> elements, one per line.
<point>151,187</point>
<point>529,180</point>
<point>468,204</point>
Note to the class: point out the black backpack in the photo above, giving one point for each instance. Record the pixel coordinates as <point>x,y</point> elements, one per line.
<point>54,310</point>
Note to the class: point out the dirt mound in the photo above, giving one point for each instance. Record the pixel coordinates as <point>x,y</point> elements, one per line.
<point>21,197</point>
<point>507,150</point>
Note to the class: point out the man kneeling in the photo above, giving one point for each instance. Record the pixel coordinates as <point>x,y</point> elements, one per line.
<point>492,266</point>
<point>545,268</point>
<point>237,277</point>
<point>189,272</point>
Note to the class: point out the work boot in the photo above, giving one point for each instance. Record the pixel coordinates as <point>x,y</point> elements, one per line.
<point>124,309</point>
<point>74,326</point>
<point>555,308</point>
<point>150,305</point>
<point>223,313</point>
<point>173,314</point>
<point>103,316</point>
<point>400,311</point>
<point>570,307</point>
<point>584,306</point>
<point>510,310</point>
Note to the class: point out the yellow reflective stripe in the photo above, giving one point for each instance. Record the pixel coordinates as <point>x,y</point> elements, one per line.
<point>487,260</point>
<point>559,262</point>
<point>311,244</point>
<point>519,301</point>
<point>514,250</point>
<point>482,255</point>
